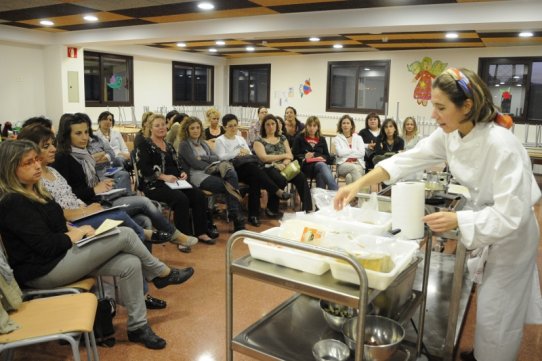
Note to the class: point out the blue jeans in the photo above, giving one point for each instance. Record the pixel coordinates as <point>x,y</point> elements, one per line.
<point>139,205</point>
<point>96,220</point>
<point>324,177</point>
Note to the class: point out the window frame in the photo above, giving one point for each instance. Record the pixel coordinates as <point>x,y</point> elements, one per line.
<point>360,65</point>
<point>483,71</point>
<point>101,102</point>
<point>192,101</point>
<point>249,67</point>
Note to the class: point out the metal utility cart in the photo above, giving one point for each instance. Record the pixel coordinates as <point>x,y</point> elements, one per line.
<point>289,331</point>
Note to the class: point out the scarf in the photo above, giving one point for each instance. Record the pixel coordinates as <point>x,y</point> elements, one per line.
<point>83,157</point>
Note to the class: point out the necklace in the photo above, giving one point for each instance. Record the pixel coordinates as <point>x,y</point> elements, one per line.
<point>389,146</point>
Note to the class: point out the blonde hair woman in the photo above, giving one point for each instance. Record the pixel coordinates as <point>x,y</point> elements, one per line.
<point>410,133</point>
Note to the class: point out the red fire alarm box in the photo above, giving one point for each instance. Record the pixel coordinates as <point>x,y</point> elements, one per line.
<point>72,52</point>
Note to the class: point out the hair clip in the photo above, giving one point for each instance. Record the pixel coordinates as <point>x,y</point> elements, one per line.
<point>461,80</point>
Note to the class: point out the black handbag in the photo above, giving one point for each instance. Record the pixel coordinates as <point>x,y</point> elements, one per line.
<point>104,330</point>
<point>240,161</point>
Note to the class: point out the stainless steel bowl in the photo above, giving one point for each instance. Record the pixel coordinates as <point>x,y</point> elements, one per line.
<point>336,322</point>
<point>329,349</point>
<point>382,337</point>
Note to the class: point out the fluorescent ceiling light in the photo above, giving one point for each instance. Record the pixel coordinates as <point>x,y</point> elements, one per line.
<point>47,23</point>
<point>213,50</point>
<point>314,38</point>
<point>525,34</point>
<point>250,48</point>
<point>220,42</point>
<point>206,6</point>
<point>366,69</point>
<point>181,45</point>
<point>452,35</point>
<point>90,18</point>
<point>338,46</point>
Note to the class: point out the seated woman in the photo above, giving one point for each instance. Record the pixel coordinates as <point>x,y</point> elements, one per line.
<point>157,165</point>
<point>206,172</point>
<point>75,210</point>
<point>311,150</point>
<point>140,138</point>
<point>410,133</point>
<point>273,149</point>
<point>104,156</point>
<point>41,249</point>
<point>79,172</point>
<point>234,148</point>
<point>172,136</point>
<point>106,122</point>
<point>350,150</point>
<point>389,142</point>
<point>370,135</point>
<point>214,129</point>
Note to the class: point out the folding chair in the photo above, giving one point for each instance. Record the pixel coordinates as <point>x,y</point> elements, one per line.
<point>65,317</point>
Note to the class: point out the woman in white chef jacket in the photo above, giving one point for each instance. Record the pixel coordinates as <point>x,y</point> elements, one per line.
<point>499,221</point>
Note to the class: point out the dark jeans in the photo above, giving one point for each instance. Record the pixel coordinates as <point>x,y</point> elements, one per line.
<point>256,178</point>
<point>118,215</point>
<point>181,200</point>
<point>300,183</point>
<point>142,208</point>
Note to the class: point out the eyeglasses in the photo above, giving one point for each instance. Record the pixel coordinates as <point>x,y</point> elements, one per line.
<point>30,162</point>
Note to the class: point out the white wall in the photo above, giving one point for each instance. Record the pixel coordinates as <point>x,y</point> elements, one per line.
<point>22,82</point>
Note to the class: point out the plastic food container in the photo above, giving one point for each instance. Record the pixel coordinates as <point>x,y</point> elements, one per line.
<point>285,256</point>
<point>348,221</point>
<point>401,252</point>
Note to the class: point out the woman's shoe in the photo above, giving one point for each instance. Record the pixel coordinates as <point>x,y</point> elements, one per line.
<point>154,303</point>
<point>269,213</point>
<point>159,237</point>
<point>147,337</point>
<point>207,241</point>
<point>184,249</point>
<point>175,277</point>
<point>212,232</point>
<point>188,240</point>
<point>255,221</point>
<point>238,224</point>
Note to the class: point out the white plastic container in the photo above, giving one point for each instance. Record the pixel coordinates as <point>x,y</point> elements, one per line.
<point>348,222</point>
<point>285,256</point>
<point>401,252</point>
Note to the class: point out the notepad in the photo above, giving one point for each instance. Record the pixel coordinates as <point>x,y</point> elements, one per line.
<point>111,171</point>
<point>179,184</point>
<point>100,211</point>
<point>106,229</point>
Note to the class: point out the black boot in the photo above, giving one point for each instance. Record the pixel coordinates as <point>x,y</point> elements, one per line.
<point>238,223</point>
<point>212,231</point>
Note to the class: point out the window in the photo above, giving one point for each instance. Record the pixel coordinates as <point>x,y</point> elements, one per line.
<point>250,85</point>
<point>192,84</point>
<point>516,86</point>
<point>108,80</point>
<point>358,86</point>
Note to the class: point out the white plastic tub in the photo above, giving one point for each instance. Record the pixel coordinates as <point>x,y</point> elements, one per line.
<point>349,221</point>
<point>285,256</point>
<point>402,253</point>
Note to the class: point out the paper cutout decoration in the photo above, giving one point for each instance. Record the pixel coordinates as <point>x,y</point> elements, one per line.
<point>305,88</point>
<point>115,82</point>
<point>424,72</point>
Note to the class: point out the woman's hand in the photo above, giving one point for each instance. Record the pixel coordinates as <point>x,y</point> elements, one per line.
<point>309,155</point>
<point>168,178</point>
<point>286,161</point>
<point>100,157</point>
<point>104,186</point>
<point>371,145</point>
<point>244,152</point>
<point>183,175</point>
<point>441,221</point>
<point>78,233</point>
<point>345,195</point>
<point>280,166</point>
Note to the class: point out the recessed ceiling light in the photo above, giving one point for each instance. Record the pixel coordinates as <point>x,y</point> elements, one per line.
<point>452,35</point>
<point>314,38</point>
<point>516,76</point>
<point>47,23</point>
<point>181,45</point>
<point>518,84</point>
<point>250,48</point>
<point>206,6</point>
<point>90,18</point>
<point>338,46</point>
<point>502,83</point>
<point>497,85</point>
<point>366,69</point>
<point>220,42</point>
<point>213,50</point>
<point>525,34</point>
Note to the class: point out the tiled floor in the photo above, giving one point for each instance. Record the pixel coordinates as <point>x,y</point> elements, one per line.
<point>194,322</point>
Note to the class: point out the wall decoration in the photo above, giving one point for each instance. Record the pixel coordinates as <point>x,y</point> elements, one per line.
<point>424,72</point>
<point>115,82</point>
<point>305,88</point>
<point>291,92</point>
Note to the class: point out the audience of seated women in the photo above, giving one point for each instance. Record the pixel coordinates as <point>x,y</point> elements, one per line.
<point>370,136</point>
<point>42,251</point>
<point>273,150</point>
<point>234,148</point>
<point>207,172</point>
<point>350,150</point>
<point>76,165</point>
<point>158,166</point>
<point>310,148</point>
<point>106,122</point>
<point>410,133</point>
